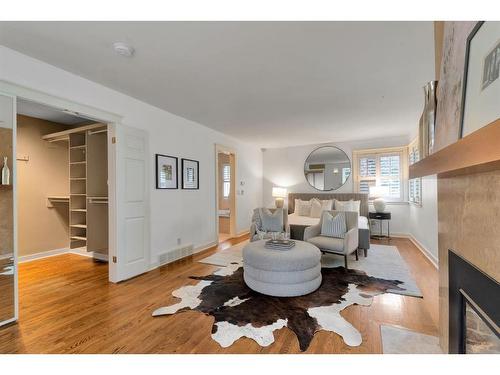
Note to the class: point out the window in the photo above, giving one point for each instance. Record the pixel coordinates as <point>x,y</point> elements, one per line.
<point>415,184</point>
<point>226,179</point>
<point>381,167</point>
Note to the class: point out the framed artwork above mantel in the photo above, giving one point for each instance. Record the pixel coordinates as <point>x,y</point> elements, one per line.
<point>481,82</point>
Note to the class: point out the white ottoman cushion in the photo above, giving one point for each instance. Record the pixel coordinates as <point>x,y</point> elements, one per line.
<point>282,273</point>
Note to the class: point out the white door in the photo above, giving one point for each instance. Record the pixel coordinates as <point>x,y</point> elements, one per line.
<point>132,251</point>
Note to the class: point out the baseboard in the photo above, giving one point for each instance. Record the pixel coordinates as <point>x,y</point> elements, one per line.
<point>207,246</point>
<point>56,252</point>
<point>43,254</point>
<point>89,254</point>
<point>419,246</point>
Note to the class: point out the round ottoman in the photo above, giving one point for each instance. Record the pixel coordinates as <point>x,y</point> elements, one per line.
<point>282,273</point>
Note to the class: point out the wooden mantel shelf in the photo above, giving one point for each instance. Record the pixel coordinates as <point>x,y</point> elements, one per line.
<point>477,152</point>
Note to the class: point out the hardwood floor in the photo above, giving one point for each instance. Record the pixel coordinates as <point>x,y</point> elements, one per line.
<point>68,306</point>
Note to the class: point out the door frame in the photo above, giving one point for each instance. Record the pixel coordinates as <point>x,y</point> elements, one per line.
<point>233,202</point>
<point>14,206</point>
<point>112,120</point>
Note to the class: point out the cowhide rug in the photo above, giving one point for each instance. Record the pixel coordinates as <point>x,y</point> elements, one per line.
<point>241,312</point>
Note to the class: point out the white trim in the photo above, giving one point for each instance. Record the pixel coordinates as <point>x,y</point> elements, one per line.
<point>56,252</point>
<point>33,95</point>
<point>43,254</point>
<point>88,254</point>
<point>419,246</point>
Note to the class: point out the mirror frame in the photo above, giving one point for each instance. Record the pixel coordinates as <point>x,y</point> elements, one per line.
<point>316,149</point>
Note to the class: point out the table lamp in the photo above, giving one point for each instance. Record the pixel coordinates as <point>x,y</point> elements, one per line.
<point>378,192</point>
<point>280,194</point>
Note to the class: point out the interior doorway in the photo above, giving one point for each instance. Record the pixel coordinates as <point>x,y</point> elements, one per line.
<point>62,184</point>
<point>226,193</point>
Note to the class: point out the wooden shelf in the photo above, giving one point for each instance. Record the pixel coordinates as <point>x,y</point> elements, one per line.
<point>78,178</point>
<point>79,226</point>
<point>78,162</point>
<point>77,147</point>
<point>78,210</point>
<point>58,198</point>
<point>65,133</point>
<point>477,152</point>
<point>79,238</point>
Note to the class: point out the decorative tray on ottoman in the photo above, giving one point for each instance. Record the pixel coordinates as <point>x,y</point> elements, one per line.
<point>280,244</point>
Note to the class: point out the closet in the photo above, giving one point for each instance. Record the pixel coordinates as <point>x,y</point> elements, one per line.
<point>87,201</point>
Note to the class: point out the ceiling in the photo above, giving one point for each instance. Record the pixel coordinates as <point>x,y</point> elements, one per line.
<point>32,109</point>
<point>270,83</point>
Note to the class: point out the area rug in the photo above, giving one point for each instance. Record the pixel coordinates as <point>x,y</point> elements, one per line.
<point>241,312</point>
<point>403,341</point>
<point>383,262</point>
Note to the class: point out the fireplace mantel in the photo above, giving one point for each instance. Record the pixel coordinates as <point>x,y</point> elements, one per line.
<point>477,152</point>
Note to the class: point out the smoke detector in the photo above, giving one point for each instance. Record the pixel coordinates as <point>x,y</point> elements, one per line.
<point>123,49</point>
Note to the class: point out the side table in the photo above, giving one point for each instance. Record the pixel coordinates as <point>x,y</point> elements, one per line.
<point>381,216</point>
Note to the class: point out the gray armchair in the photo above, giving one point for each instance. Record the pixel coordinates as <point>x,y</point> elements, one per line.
<point>341,246</point>
<point>255,228</point>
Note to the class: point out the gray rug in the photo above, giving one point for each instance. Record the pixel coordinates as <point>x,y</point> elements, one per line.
<point>382,261</point>
<point>403,341</point>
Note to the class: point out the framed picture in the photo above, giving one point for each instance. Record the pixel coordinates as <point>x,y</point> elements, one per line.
<point>166,172</point>
<point>481,82</point>
<point>190,174</point>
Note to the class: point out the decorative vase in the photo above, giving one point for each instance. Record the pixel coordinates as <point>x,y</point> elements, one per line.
<point>423,131</point>
<point>430,114</point>
<point>5,172</point>
<point>379,204</point>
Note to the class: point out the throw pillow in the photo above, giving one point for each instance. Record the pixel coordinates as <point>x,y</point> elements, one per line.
<point>302,208</point>
<point>317,207</point>
<point>271,221</point>
<point>334,226</point>
<point>347,205</point>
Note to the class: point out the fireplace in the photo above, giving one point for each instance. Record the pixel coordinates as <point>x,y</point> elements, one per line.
<point>474,308</point>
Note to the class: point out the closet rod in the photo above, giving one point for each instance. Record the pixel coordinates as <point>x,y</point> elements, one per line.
<point>97,131</point>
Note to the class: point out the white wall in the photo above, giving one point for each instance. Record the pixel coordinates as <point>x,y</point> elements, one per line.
<point>423,220</point>
<point>189,215</point>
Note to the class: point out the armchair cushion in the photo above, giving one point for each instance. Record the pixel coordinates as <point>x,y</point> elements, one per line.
<point>328,243</point>
<point>271,221</point>
<point>333,225</point>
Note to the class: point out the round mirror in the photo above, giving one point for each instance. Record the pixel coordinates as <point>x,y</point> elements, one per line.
<point>327,168</point>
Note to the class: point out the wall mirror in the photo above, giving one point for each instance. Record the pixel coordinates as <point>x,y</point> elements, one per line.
<point>7,265</point>
<point>327,168</point>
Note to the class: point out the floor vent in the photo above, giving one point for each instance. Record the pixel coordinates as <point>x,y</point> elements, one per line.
<point>175,254</point>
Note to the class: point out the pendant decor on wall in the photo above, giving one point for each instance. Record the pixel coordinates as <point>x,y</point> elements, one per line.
<point>427,124</point>
<point>242,312</point>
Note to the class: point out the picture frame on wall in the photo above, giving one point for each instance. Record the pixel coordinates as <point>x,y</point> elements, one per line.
<point>166,172</point>
<point>481,81</point>
<point>190,174</point>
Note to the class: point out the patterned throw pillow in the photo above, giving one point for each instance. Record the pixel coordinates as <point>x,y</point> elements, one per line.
<point>334,226</point>
<point>317,207</point>
<point>302,208</point>
<point>271,221</point>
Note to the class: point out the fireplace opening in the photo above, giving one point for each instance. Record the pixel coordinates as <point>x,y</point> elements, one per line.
<point>481,334</point>
<point>474,309</point>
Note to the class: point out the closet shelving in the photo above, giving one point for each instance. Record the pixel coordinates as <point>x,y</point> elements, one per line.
<point>88,189</point>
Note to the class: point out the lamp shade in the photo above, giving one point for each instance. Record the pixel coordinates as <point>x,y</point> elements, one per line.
<point>279,192</point>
